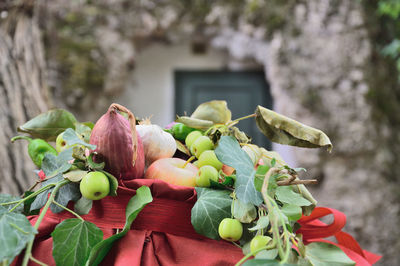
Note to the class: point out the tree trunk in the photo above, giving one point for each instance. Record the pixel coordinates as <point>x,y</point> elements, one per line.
<point>23,93</point>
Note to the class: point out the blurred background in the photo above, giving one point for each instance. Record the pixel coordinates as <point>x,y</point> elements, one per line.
<point>330,64</point>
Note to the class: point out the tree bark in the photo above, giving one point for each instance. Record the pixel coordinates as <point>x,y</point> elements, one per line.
<point>23,93</point>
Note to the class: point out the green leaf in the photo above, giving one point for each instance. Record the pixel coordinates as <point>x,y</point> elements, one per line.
<point>259,176</point>
<point>303,191</point>
<point>83,206</point>
<point>286,194</point>
<point>41,198</point>
<point>71,137</point>
<point>215,111</point>
<point>284,130</point>
<point>28,203</point>
<point>75,175</point>
<point>135,205</point>
<point>8,198</point>
<point>67,193</point>
<point>16,232</point>
<point>229,181</point>
<point>244,212</point>
<point>211,207</point>
<point>230,153</point>
<point>113,183</point>
<point>267,254</point>
<point>73,239</point>
<point>56,165</point>
<point>325,254</point>
<point>293,212</point>
<point>93,165</point>
<point>49,124</point>
<point>83,131</point>
<point>262,223</point>
<point>194,122</point>
<point>265,262</point>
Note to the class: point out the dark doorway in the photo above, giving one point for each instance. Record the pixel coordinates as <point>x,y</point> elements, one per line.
<point>242,90</point>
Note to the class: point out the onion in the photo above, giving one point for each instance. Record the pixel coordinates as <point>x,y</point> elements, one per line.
<point>117,144</point>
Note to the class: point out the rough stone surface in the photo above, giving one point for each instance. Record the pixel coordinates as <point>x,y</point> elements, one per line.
<point>317,76</point>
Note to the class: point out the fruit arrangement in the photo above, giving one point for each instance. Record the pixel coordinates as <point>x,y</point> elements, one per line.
<point>246,195</point>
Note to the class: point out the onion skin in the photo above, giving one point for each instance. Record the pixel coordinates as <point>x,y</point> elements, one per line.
<point>117,144</point>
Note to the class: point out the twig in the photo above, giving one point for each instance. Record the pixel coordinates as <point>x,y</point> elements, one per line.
<point>288,182</point>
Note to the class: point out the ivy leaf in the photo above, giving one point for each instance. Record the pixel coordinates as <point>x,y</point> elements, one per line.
<point>83,131</point>
<point>135,205</point>
<point>286,194</point>
<point>83,206</point>
<point>262,223</point>
<point>67,193</point>
<point>230,153</point>
<point>8,198</point>
<point>72,138</point>
<point>211,207</point>
<point>293,212</point>
<point>54,165</point>
<point>28,203</point>
<point>16,232</point>
<point>320,254</point>
<point>41,198</point>
<point>244,212</point>
<point>49,124</point>
<point>73,240</point>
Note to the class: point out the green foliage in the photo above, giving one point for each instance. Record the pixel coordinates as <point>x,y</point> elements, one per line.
<point>211,207</point>
<point>73,240</point>
<point>16,232</point>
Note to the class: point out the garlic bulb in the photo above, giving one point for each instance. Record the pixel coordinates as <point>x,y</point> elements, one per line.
<point>156,142</point>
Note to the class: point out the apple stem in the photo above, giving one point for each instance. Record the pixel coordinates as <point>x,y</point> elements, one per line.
<point>188,161</point>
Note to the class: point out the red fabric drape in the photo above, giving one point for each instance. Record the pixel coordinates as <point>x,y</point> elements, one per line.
<point>162,233</point>
<point>314,230</point>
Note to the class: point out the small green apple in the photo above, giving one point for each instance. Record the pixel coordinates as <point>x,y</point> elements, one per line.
<point>209,158</point>
<point>230,229</point>
<point>201,144</point>
<point>258,242</point>
<point>61,144</point>
<point>95,186</point>
<point>205,174</point>
<point>191,137</point>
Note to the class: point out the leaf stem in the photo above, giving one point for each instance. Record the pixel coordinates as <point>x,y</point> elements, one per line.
<point>234,122</point>
<point>38,261</point>
<point>249,255</point>
<point>67,209</point>
<point>28,251</point>
<point>19,202</point>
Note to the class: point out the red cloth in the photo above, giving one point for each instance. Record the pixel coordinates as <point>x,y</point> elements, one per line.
<point>313,230</point>
<point>162,233</point>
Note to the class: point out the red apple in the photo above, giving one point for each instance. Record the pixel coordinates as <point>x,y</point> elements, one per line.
<point>172,170</point>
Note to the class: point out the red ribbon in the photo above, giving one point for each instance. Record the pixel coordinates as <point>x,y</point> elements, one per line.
<point>314,230</point>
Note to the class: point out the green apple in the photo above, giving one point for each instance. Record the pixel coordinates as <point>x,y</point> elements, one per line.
<point>201,144</point>
<point>95,186</point>
<point>205,174</point>
<point>191,137</point>
<point>258,242</point>
<point>230,229</point>
<point>61,144</point>
<point>209,158</point>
